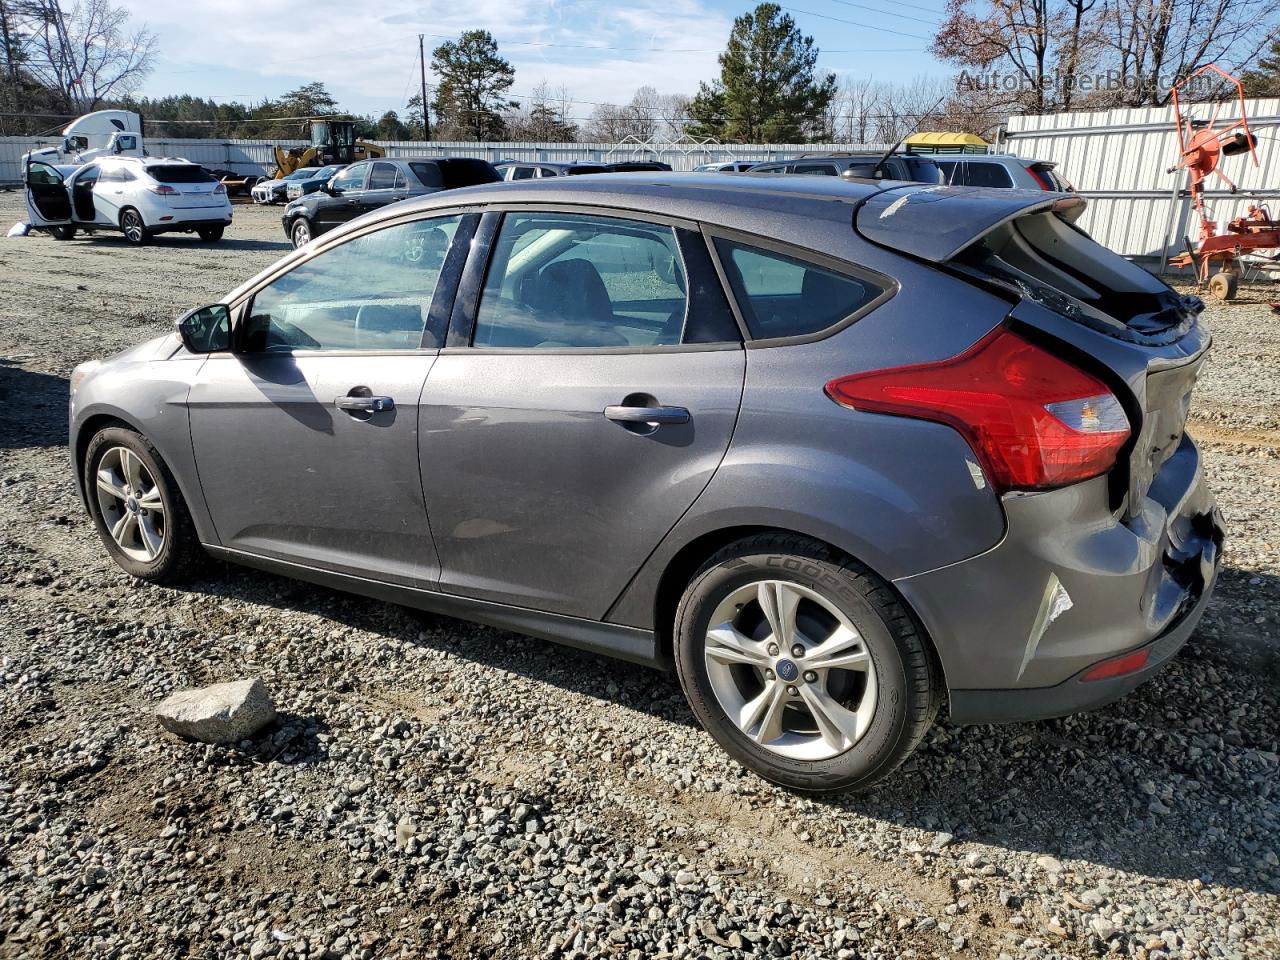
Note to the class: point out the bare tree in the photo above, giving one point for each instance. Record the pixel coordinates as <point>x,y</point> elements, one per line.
<point>1047,55</point>
<point>543,116</point>
<point>85,53</point>
<point>611,122</point>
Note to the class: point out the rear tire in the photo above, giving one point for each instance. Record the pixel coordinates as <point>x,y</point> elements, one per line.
<point>151,536</point>
<point>62,232</point>
<point>840,724</point>
<point>210,234</point>
<point>134,227</point>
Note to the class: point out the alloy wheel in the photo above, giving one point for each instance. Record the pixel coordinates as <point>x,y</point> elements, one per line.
<point>131,504</point>
<point>790,670</point>
<point>133,227</point>
<point>301,234</point>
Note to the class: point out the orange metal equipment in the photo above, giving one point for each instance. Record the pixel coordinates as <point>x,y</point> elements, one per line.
<point>1202,146</point>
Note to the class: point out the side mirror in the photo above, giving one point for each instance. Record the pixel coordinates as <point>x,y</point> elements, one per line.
<point>206,329</point>
<point>330,189</point>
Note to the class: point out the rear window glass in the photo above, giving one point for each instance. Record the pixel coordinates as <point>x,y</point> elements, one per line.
<point>782,296</point>
<point>179,173</point>
<point>428,173</point>
<point>467,172</point>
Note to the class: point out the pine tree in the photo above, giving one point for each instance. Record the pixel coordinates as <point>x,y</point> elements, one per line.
<point>473,82</point>
<point>1264,81</point>
<point>768,90</point>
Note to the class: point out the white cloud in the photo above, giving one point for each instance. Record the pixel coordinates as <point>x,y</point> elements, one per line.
<point>369,61</point>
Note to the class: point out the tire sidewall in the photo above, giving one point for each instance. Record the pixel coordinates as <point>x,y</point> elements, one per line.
<point>293,232</point>
<point>103,441</point>
<point>877,749</point>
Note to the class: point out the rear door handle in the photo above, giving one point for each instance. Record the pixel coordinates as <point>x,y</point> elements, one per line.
<point>659,415</point>
<point>364,404</point>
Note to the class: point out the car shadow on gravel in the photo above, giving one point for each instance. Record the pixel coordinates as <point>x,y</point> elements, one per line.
<point>32,407</point>
<point>181,240</point>
<point>1118,787</point>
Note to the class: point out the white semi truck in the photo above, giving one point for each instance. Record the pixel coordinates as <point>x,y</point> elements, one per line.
<point>103,133</point>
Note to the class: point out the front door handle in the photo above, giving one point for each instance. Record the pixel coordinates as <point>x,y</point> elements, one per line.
<point>364,404</point>
<point>653,415</point>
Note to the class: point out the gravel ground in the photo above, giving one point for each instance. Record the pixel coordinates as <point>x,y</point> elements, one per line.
<point>434,788</point>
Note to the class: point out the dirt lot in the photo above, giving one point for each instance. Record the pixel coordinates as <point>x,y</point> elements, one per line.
<point>435,788</point>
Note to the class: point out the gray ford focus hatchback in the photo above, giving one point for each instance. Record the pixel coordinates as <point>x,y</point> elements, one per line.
<point>834,451</point>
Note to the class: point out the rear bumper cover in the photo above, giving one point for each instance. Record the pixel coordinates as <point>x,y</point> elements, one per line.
<point>1069,585</point>
<point>194,223</point>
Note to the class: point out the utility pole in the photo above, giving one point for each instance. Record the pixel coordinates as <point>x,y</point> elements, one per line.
<point>422,66</point>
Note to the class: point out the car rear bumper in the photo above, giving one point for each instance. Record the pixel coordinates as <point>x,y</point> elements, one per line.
<point>192,223</point>
<point>1068,586</point>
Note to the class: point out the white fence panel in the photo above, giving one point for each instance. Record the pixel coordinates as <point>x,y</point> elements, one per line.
<point>1120,159</point>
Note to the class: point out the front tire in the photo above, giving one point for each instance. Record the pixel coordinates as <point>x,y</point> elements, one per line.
<point>300,232</point>
<point>210,234</point>
<point>803,665</point>
<point>138,509</point>
<point>133,227</point>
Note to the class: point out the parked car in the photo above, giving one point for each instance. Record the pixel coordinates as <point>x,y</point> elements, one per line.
<point>832,449</point>
<point>237,184</point>
<point>1002,170</point>
<point>899,166</point>
<point>275,191</point>
<point>522,170</point>
<point>726,166</point>
<point>139,196</point>
<point>371,184</point>
<point>300,188</point>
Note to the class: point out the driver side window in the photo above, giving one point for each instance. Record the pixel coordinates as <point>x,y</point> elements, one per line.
<point>371,294</point>
<point>350,179</point>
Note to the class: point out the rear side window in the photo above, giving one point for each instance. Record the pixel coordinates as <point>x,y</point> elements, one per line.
<point>466,172</point>
<point>383,176</point>
<point>781,296</point>
<point>179,173</point>
<point>948,168</point>
<point>982,174</point>
<point>816,169</point>
<point>569,280</point>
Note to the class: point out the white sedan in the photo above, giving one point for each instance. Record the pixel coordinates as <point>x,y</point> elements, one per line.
<point>139,196</point>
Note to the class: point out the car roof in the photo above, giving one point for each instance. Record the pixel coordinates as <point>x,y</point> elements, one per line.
<point>663,193</point>
<point>1006,159</point>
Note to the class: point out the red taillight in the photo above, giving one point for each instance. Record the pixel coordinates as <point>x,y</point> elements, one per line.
<point>1040,178</point>
<point>1118,666</point>
<point>1034,420</point>
<point>164,190</point>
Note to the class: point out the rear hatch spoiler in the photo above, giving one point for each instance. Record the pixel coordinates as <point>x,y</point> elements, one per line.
<point>935,223</point>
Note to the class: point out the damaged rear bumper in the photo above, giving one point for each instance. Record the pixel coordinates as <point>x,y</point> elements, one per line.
<point>1072,584</point>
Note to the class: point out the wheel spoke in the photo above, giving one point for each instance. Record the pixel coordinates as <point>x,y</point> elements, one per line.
<point>843,650</point>
<point>132,467</point>
<point>107,482</point>
<point>123,528</point>
<point>771,724</point>
<point>726,644</point>
<point>779,602</point>
<point>838,726</point>
<point>151,501</point>
<point>150,537</point>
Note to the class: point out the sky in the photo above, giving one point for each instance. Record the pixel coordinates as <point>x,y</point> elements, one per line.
<point>246,50</point>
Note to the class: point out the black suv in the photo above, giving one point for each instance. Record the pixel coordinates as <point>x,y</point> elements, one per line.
<point>371,184</point>
<point>899,166</point>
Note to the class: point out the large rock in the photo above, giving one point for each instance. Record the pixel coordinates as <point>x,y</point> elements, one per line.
<point>221,713</point>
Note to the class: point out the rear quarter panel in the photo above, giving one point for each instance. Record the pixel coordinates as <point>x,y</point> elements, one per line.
<point>894,493</point>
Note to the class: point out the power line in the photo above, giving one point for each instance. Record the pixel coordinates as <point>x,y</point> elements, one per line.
<point>854,23</point>
<point>889,13</point>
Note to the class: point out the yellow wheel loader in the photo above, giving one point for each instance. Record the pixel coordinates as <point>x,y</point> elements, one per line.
<point>332,141</point>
